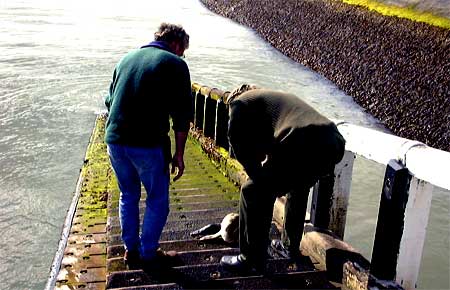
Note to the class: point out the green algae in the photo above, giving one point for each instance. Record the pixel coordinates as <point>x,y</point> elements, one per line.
<point>96,174</point>
<point>99,192</point>
<point>402,12</point>
<point>95,183</point>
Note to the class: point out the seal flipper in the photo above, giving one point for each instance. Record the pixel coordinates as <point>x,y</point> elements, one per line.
<point>206,230</point>
<point>217,236</point>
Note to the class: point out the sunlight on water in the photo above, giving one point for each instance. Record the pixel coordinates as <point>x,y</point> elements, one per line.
<point>56,63</point>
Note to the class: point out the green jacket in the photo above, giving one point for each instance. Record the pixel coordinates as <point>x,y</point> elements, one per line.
<point>149,86</point>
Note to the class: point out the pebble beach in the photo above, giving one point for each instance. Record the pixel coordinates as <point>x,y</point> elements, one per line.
<point>396,69</point>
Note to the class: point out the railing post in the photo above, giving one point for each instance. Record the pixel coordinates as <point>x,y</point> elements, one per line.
<point>390,222</point>
<point>331,195</point>
<point>222,125</point>
<point>199,110</point>
<point>414,233</point>
<point>209,121</point>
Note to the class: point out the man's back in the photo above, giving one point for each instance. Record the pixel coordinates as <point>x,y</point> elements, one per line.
<point>281,127</point>
<point>271,116</point>
<point>140,102</point>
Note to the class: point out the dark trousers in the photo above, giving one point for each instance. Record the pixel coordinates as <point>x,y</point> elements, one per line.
<point>293,168</point>
<point>294,219</point>
<point>255,218</point>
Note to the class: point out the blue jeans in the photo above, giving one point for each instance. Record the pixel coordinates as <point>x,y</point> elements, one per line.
<point>133,165</point>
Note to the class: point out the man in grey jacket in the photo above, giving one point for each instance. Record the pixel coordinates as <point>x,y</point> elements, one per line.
<point>285,146</point>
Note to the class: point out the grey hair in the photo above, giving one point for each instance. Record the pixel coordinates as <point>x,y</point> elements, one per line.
<point>172,33</point>
<point>239,91</point>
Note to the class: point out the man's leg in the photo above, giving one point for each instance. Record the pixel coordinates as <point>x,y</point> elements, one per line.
<point>255,217</point>
<point>294,220</point>
<point>154,174</point>
<point>130,194</point>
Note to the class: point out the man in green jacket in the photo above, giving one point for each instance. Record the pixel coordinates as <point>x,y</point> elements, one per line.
<point>150,85</point>
<point>285,146</point>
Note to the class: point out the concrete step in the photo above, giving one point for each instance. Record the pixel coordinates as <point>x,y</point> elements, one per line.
<point>199,257</point>
<point>201,213</point>
<point>168,235</point>
<point>299,280</point>
<point>293,280</point>
<point>187,215</point>
<point>190,225</point>
<point>167,286</point>
<point>179,246</point>
<point>213,276</point>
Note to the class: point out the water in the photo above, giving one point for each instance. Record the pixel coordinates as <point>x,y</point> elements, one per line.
<point>56,62</point>
<point>437,7</point>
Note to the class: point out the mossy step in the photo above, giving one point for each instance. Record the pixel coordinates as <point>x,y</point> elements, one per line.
<point>94,214</point>
<point>90,220</point>
<point>203,188</point>
<point>192,202</point>
<point>204,205</point>
<point>207,189</point>
<point>202,198</point>
<point>193,177</point>
<point>189,206</point>
<point>83,228</point>
<point>188,191</point>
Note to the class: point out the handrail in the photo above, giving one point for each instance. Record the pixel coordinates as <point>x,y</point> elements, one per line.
<point>424,162</point>
<point>412,168</point>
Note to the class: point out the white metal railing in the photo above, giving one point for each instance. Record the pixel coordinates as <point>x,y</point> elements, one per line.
<point>412,169</point>
<point>426,167</point>
<point>425,163</point>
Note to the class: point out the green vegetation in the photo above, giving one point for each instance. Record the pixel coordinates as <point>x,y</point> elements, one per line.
<point>402,12</point>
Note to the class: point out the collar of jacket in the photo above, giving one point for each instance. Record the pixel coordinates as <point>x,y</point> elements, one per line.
<point>159,44</point>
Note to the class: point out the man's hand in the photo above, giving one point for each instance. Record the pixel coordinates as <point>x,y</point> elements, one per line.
<point>177,159</point>
<point>177,166</point>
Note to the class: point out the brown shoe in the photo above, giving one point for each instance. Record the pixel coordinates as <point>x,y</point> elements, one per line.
<point>161,261</point>
<point>132,259</point>
<point>160,253</point>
